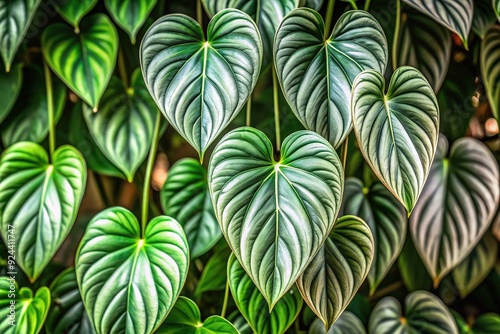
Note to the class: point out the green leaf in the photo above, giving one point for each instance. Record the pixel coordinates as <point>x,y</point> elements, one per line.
<point>30,122</point>
<point>27,312</point>
<point>335,274</point>
<point>130,15</point>
<point>40,200</point>
<point>406,123</point>
<point>426,45</point>
<point>240,323</point>
<point>201,85</point>
<point>316,75</point>
<point>488,323</point>
<point>314,4</point>
<point>211,278</point>
<point>387,221</point>
<point>490,56</point>
<point>73,11</point>
<point>83,60</point>
<point>412,269</point>
<point>10,86</point>
<point>496,226</point>
<point>476,266</point>
<point>272,218</point>
<point>496,7</point>
<point>267,15</point>
<point>253,305</point>
<point>185,197</point>
<point>123,127</point>
<point>15,19</point>
<point>137,278</point>
<point>347,323</point>
<point>424,313</point>
<point>454,15</point>
<point>457,205</point>
<point>185,318</point>
<point>484,17</point>
<point>67,313</point>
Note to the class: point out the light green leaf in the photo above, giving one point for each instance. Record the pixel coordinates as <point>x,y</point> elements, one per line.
<point>387,221</point>
<point>123,126</point>
<point>185,318</point>
<point>128,283</point>
<point>185,197</point>
<point>397,132</point>
<point>253,305</point>
<point>488,323</point>
<point>240,323</point>
<point>15,19</point>
<point>10,86</point>
<point>73,11</point>
<point>484,17</point>
<point>211,278</point>
<point>84,60</point>
<point>316,75</point>
<point>496,7</point>
<point>412,269</point>
<point>130,15</point>
<point>67,313</point>
<point>272,218</point>
<point>347,323</point>
<point>424,313</point>
<point>28,311</point>
<point>454,15</point>
<point>40,200</point>
<point>335,274</point>
<point>30,121</point>
<point>201,85</point>
<point>457,205</point>
<point>490,71</point>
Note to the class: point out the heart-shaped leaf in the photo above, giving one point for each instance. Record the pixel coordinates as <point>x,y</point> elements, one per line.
<point>490,56</point>
<point>335,274</point>
<point>424,313</point>
<point>272,218</point>
<point>22,313</point>
<point>185,318</point>
<point>130,15</point>
<point>253,305</point>
<point>123,127</point>
<point>347,323</point>
<point>211,278</point>
<point>73,11</point>
<point>397,131</point>
<point>386,218</point>
<point>316,75</point>
<point>488,323</point>
<point>67,313</point>
<point>457,205</point>
<point>39,200</point>
<point>454,15</point>
<point>83,60</point>
<point>15,19</point>
<point>267,15</point>
<point>10,86</point>
<point>129,283</point>
<point>201,85</point>
<point>484,17</point>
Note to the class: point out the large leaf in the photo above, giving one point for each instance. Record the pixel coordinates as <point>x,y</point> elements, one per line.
<point>397,131</point>
<point>424,313</point>
<point>347,323</point>
<point>84,60</point>
<point>201,84</point>
<point>123,127</point>
<point>484,17</point>
<point>15,19</point>
<point>73,11</point>
<point>40,200</point>
<point>267,14</point>
<point>386,218</point>
<point>316,75</point>
<point>253,305</point>
<point>130,15</point>
<point>185,318</point>
<point>335,274</point>
<point>457,204</point>
<point>67,313</point>
<point>10,86</point>
<point>128,283</point>
<point>185,197</point>
<point>454,15</point>
<point>30,122</point>
<point>211,278</point>
<point>490,56</point>
<point>23,313</point>
<point>272,218</point>
<point>488,323</point>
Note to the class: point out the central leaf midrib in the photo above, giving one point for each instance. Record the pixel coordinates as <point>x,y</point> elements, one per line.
<point>48,174</point>
<point>132,271</point>
<point>86,66</point>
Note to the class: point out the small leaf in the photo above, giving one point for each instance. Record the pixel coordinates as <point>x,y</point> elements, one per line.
<point>488,323</point>
<point>272,218</point>
<point>484,17</point>
<point>335,274</point>
<point>211,278</point>
<point>253,305</point>
<point>397,132</point>
<point>185,197</point>
<point>490,56</point>
<point>73,11</point>
<point>10,86</point>
<point>129,283</point>
<point>347,323</point>
<point>40,200</point>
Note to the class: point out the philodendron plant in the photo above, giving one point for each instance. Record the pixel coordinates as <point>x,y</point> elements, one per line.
<point>378,212</point>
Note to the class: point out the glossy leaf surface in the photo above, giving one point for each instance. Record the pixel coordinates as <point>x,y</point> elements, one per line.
<point>490,56</point>
<point>130,15</point>
<point>73,11</point>
<point>10,85</point>
<point>213,277</point>
<point>347,323</point>
<point>488,323</point>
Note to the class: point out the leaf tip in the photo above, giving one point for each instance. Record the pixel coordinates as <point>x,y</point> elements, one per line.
<point>435,282</point>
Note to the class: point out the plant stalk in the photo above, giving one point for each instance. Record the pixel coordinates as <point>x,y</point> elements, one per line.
<point>345,149</point>
<point>102,190</point>
<point>385,291</point>
<point>199,13</point>
<point>396,36</point>
<point>276,111</point>
<point>367,5</point>
<point>329,17</point>
<point>353,4</point>
<point>50,110</point>
<point>226,298</point>
<point>249,110</point>
<point>122,68</point>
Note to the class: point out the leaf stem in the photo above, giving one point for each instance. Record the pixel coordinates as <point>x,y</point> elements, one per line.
<point>396,36</point>
<point>276,111</point>
<point>385,291</point>
<point>102,190</point>
<point>345,149</point>
<point>122,68</point>
<point>249,110</point>
<point>353,4</point>
<point>199,13</point>
<point>329,16</point>
<point>226,298</point>
<point>50,110</point>
<point>367,5</point>
<point>147,177</point>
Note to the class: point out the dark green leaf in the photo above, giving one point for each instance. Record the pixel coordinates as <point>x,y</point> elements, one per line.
<point>490,56</point>
<point>347,323</point>
<point>314,4</point>
<point>10,86</point>
<point>486,324</point>
<point>212,278</point>
<point>484,17</point>
<point>496,7</point>
<point>412,269</point>
<point>73,11</point>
